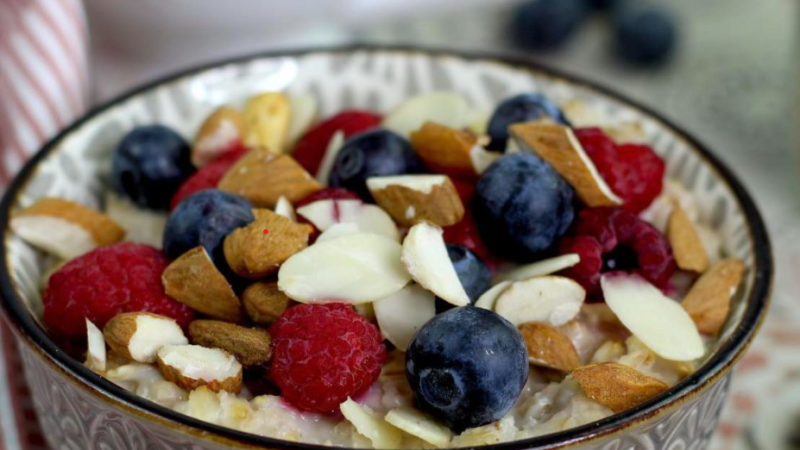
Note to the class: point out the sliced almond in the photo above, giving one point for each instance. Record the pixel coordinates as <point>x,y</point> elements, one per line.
<point>258,249</point>
<point>540,268</point>
<point>268,117</point>
<point>264,302</point>
<point>304,113</point>
<point>708,301</point>
<point>428,198</point>
<point>193,366</point>
<point>139,336</point>
<point>421,425</point>
<point>552,300</point>
<point>558,145</point>
<point>222,130</point>
<point>401,314</point>
<point>356,268</point>
<point>549,347</point>
<point>482,158</point>
<point>263,178</point>
<point>444,149</point>
<point>488,299</point>
<point>195,281</point>
<point>425,257</point>
<point>250,346</point>
<point>141,225</point>
<point>371,425</point>
<point>616,386</point>
<point>96,348</point>
<point>284,208</point>
<point>324,214</point>
<point>446,108</point>
<point>339,230</point>
<point>687,248</point>
<point>658,321</point>
<point>65,228</point>
<point>331,151</point>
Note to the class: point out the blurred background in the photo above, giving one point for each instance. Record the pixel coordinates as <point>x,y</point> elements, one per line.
<point>726,70</point>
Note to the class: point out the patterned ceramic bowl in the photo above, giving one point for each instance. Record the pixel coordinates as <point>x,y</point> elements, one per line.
<point>80,410</point>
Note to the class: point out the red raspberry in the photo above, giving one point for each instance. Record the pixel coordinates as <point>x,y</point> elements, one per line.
<point>466,233</point>
<point>310,150</point>
<point>465,189</point>
<point>324,353</point>
<point>633,171</point>
<point>124,277</point>
<point>624,241</point>
<point>208,176</point>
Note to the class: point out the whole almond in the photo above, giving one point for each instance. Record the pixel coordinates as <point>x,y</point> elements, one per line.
<point>250,346</point>
<point>617,386</point>
<point>264,302</point>
<point>411,199</point>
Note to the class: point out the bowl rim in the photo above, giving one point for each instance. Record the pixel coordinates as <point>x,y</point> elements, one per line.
<point>711,372</point>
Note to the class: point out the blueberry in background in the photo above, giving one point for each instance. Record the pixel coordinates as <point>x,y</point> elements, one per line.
<point>547,24</point>
<point>149,165</point>
<point>644,34</point>
<point>370,154</point>
<point>601,5</point>
<point>205,218</point>
<point>467,367</point>
<point>521,206</point>
<point>518,109</point>
<point>472,272</point>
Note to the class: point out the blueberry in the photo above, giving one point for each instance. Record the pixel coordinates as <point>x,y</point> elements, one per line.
<point>467,367</point>
<point>472,272</point>
<point>205,218</point>
<point>644,35</point>
<point>149,165</point>
<point>370,154</point>
<point>521,206</point>
<point>601,5</point>
<point>520,108</point>
<point>547,24</point>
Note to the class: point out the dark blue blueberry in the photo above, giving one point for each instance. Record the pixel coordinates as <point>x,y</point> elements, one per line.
<point>467,367</point>
<point>472,272</point>
<point>521,206</point>
<point>547,24</point>
<point>601,5</point>
<point>517,109</point>
<point>644,35</point>
<point>205,218</point>
<point>149,165</point>
<point>371,154</point>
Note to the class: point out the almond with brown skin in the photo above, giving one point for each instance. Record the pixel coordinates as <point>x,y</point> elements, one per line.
<point>195,281</point>
<point>264,302</point>
<point>687,248</point>
<point>411,199</point>
<point>708,301</point>
<point>138,336</point>
<point>193,366</point>
<point>250,346</point>
<point>549,347</point>
<point>262,178</point>
<point>444,149</point>
<point>617,386</point>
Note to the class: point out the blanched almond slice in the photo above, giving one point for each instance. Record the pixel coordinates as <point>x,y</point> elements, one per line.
<point>284,208</point>
<point>64,228</point>
<point>371,425</point>
<point>687,248</point>
<point>401,314</point>
<point>250,346</point>
<point>421,425</point>
<point>96,347</point>
<point>658,321</point>
<point>488,299</point>
<point>192,366</point>
<point>558,145</point>
<point>222,129</point>
<point>549,347</point>
<point>369,218</point>
<point>540,268</point>
<point>339,230</point>
<point>617,386</point>
<point>482,158</point>
<point>304,113</point>
<point>425,257</point>
<point>411,199</point>
<point>445,108</point>
<point>267,118</point>
<point>708,301</point>
<point>355,268</point>
<point>331,151</point>
<point>139,335</point>
<point>552,299</point>
<point>264,302</point>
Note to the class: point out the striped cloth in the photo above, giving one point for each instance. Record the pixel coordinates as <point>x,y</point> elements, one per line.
<point>43,87</point>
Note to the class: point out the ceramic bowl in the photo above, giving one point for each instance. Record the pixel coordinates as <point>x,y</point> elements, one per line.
<point>80,410</point>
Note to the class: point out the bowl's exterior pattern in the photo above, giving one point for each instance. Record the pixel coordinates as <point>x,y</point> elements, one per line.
<point>73,418</point>
<point>76,416</point>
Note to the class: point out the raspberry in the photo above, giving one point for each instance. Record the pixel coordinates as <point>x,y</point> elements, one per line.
<point>208,176</point>
<point>310,150</point>
<point>610,239</point>
<point>466,233</point>
<point>124,277</point>
<point>465,189</point>
<point>324,353</point>
<point>633,171</point>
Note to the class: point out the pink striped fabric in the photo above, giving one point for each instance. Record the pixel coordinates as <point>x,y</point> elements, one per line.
<point>43,87</point>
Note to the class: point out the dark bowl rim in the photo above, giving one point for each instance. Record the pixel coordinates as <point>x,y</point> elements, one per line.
<point>716,366</point>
